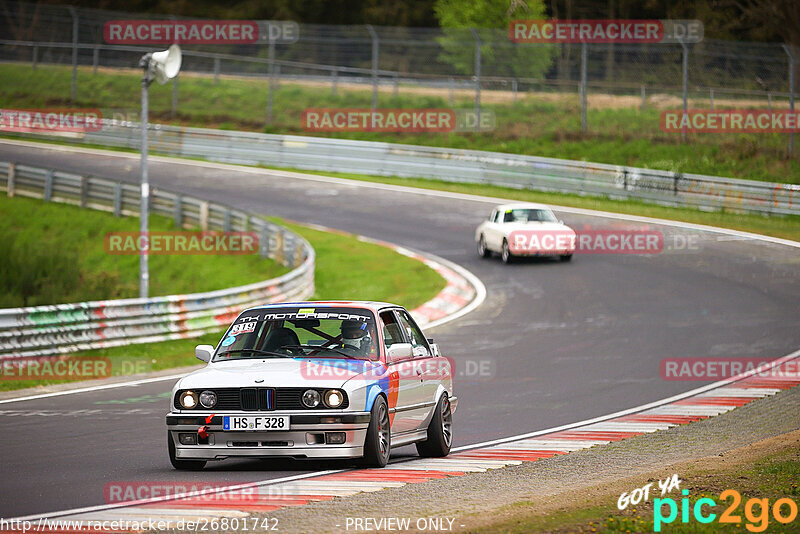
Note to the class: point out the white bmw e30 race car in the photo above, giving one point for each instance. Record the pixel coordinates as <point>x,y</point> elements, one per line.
<point>314,380</point>
<point>524,229</point>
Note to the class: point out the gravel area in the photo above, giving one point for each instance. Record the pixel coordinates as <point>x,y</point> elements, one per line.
<point>457,496</point>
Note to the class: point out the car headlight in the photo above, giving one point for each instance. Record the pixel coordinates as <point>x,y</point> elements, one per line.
<point>311,398</point>
<point>334,398</point>
<point>208,399</point>
<point>188,399</point>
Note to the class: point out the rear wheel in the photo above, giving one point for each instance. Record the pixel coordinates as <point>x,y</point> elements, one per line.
<point>483,252</point>
<point>183,465</point>
<point>378,444</point>
<point>440,431</point>
<point>506,254</point>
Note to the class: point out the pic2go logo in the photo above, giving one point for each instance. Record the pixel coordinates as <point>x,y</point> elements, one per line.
<point>758,520</point>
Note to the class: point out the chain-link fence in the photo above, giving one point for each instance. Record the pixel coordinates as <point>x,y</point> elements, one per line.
<point>451,61</point>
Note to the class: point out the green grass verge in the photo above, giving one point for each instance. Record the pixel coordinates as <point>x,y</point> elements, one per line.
<point>55,253</point>
<point>771,477</point>
<point>541,124</point>
<point>346,269</point>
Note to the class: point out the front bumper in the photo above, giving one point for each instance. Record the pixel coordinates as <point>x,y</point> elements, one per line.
<point>305,438</point>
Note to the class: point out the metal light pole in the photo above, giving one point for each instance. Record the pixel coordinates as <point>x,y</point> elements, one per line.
<point>144,273</point>
<point>165,66</point>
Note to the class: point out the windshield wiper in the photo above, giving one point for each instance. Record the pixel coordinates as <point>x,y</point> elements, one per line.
<point>321,348</point>
<point>257,351</point>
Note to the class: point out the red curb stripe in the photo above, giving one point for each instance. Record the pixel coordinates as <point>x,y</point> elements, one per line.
<point>715,401</point>
<point>675,419</point>
<point>508,455</point>
<point>388,477</point>
<point>591,435</point>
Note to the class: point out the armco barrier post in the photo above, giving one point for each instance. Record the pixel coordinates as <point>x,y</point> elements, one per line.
<point>216,70</point>
<point>48,186</point>
<point>95,59</point>
<point>12,172</point>
<point>177,211</point>
<point>118,199</point>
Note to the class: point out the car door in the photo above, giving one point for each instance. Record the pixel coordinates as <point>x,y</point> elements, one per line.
<point>424,366</point>
<point>494,234</point>
<point>406,412</point>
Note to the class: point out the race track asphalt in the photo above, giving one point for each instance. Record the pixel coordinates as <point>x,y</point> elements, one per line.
<point>563,341</point>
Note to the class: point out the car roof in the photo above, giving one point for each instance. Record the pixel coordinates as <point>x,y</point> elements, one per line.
<point>520,205</point>
<point>368,304</point>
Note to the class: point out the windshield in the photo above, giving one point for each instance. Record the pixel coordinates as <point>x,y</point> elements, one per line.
<point>524,215</point>
<point>301,332</point>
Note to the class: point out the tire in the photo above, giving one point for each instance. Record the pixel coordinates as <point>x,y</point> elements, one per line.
<point>182,465</point>
<point>378,444</point>
<point>440,432</point>
<point>506,254</point>
<point>483,252</point>
<point>566,257</point>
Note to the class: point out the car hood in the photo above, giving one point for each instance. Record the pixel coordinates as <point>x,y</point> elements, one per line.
<point>283,372</point>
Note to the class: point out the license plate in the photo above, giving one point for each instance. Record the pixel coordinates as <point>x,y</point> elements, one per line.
<point>255,423</point>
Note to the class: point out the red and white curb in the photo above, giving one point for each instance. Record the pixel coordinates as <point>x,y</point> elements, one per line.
<point>263,497</point>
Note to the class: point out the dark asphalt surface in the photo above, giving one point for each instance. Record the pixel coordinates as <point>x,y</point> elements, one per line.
<point>565,341</point>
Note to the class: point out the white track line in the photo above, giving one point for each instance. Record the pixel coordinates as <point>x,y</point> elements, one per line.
<point>94,388</point>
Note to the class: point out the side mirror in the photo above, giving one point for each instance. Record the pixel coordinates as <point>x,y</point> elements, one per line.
<point>435,350</point>
<point>204,352</point>
<point>399,351</point>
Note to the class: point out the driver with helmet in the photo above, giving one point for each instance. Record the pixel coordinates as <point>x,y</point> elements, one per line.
<point>355,336</point>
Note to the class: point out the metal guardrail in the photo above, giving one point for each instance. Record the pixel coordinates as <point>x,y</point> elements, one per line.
<point>64,328</point>
<point>454,165</point>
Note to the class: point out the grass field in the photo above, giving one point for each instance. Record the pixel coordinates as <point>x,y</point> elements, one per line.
<point>537,124</point>
<point>55,253</point>
<point>346,269</point>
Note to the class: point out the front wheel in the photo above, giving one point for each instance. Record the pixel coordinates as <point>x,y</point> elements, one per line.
<point>506,254</point>
<point>378,444</point>
<point>566,257</point>
<point>483,252</point>
<point>440,431</point>
<point>182,465</point>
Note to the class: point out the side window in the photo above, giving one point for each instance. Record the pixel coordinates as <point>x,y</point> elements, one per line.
<point>391,329</point>
<point>492,215</point>
<point>414,334</point>
<point>498,216</point>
